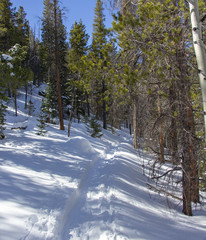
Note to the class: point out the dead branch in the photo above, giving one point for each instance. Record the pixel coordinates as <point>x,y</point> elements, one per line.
<point>163,191</point>
<point>171,170</point>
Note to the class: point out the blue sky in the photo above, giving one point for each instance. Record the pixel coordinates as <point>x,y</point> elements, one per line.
<point>74,10</point>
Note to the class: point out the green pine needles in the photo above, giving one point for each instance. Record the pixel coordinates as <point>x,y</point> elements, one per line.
<point>93,127</point>
<point>42,123</point>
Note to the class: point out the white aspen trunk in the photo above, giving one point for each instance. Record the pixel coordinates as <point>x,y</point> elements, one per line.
<point>200,53</point>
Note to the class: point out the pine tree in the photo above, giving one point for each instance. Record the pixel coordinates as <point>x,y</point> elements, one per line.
<point>159,31</point>
<point>93,127</point>
<point>35,60</point>
<point>7,25</point>
<point>47,44</point>
<point>20,72</point>
<point>42,121</point>
<point>78,49</point>
<point>54,51</point>
<point>49,105</point>
<point>22,27</point>
<point>57,66</point>
<point>5,66</point>
<point>99,62</point>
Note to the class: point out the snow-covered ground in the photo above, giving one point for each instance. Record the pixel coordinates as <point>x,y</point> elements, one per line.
<point>81,188</point>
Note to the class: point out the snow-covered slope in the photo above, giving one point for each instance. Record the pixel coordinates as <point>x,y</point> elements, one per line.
<point>58,188</point>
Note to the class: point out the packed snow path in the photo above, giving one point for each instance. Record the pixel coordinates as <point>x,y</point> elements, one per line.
<point>81,188</point>
<point>93,185</point>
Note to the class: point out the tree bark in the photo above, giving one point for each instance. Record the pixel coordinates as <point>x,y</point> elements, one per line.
<point>61,123</point>
<point>186,133</point>
<point>161,129</point>
<point>88,105</point>
<point>173,126</point>
<point>15,103</point>
<point>195,197</point>
<point>200,53</point>
<point>104,112</point>
<point>26,95</point>
<point>135,123</point>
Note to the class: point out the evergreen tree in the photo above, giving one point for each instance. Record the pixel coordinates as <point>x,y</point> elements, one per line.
<point>47,44</point>
<point>35,60</point>
<point>100,63</point>
<point>158,30</point>
<point>20,72</point>
<point>54,51</point>
<point>4,76</point>
<point>49,105</point>
<point>7,25</point>
<point>78,49</point>
<point>22,27</point>
<point>128,81</point>
<point>42,121</point>
<point>93,127</point>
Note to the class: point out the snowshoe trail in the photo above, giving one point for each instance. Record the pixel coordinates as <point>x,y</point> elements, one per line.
<point>90,181</point>
<point>81,188</point>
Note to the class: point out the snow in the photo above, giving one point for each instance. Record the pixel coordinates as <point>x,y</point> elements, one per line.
<point>6,57</point>
<point>79,188</point>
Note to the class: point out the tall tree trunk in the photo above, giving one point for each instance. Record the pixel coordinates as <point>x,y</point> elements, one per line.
<point>88,106</point>
<point>130,128</point>
<point>61,123</point>
<point>161,129</point>
<point>26,95</point>
<point>199,48</point>
<point>187,207</point>
<point>104,112</point>
<point>173,126</point>
<point>194,175</point>
<point>135,123</point>
<point>15,102</point>
<point>187,141</point>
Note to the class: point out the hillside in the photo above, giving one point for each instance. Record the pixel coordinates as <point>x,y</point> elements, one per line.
<point>59,188</point>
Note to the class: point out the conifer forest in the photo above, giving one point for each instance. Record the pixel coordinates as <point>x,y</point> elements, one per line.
<point>147,73</point>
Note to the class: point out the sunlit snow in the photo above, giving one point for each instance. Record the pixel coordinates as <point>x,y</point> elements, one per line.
<point>81,188</point>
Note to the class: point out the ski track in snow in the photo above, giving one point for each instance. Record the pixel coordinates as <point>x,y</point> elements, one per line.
<point>79,196</point>
<point>72,203</point>
<point>81,188</point>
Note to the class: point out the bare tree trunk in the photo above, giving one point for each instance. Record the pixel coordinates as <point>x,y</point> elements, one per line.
<point>186,140</point>
<point>70,122</point>
<point>161,129</point>
<point>88,106</point>
<point>193,155</point>
<point>61,123</point>
<point>26,95</point>
<point>173,127</point>
<point>71,113</point>
<point>135,123</point>
<point>199,48</point>
<point>186,154</point>
<point>104,112</point>
<point>187,207</point>
<point>130,128</point>
<point>15,103</point>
